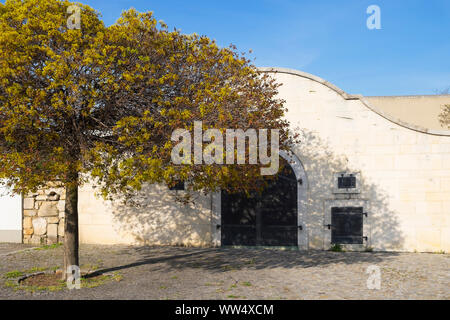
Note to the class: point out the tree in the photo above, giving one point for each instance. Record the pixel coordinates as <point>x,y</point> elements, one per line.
<point>444,117</point>
<point>101,103</point>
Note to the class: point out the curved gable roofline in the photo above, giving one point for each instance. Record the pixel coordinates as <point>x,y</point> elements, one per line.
<point>347,96</point>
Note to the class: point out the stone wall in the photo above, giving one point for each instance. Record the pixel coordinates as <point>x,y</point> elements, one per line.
<point>404,170</point>
<point>43,216</point>
<point>404,184</point>
<point>156,218</point>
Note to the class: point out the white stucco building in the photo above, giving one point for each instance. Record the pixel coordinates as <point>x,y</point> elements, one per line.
<point>369,172</point>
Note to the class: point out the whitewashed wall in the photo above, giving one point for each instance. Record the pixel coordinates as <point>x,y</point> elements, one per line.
<point>10,217</point>
<point>155,219</point>
<point>405,180</point>
<point>405,173</point>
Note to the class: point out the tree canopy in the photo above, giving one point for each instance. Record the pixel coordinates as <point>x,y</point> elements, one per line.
<point>444,117</point>
<point>102,102</point>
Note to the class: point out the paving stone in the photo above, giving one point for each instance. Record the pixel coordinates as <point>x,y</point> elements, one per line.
<point>217,273</point>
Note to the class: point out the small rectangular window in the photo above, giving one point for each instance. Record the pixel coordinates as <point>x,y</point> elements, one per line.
<point>347,182</point>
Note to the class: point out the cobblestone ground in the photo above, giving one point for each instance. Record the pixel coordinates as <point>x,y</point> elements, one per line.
<point>6,248</point>
<point>217,273</point>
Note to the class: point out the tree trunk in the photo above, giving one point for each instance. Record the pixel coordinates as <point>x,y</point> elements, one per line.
<point>71,257</point>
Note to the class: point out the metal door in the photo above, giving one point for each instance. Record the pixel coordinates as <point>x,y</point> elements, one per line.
<point>268,218</point>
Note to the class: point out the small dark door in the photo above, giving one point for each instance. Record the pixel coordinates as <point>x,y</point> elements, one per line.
<point>347,225</point>
<point>268,218</point>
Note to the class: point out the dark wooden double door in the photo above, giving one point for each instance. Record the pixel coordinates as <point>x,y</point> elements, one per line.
<point>268,218</point>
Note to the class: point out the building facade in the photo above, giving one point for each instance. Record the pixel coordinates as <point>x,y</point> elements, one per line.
<point>368,173</point>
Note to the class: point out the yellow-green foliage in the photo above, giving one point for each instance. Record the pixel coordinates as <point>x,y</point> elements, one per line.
<point>444,117</point>
<point>105,100</point>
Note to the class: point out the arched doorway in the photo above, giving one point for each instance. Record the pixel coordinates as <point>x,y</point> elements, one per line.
<point>269,218</point>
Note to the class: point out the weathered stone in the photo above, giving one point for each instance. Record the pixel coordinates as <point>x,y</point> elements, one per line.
<point>52,233</point>
<point>52,196</point>
<point>61,228</point>
<point>59,191</point>
<point>27,223</point>
<point>28,231</point>
<point>48,209</point>
<point>54,184</point>
<point>29,213</point>
<point>28,203</point>
<point>53,220</point>
<point>39,226</point>
<point>41,197</point>
<point>61,205</point>
<point>37,204</point>
<point>36,240</point>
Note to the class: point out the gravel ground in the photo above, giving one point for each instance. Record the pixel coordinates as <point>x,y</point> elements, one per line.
<point>8,248</point>
<point>218,273</point>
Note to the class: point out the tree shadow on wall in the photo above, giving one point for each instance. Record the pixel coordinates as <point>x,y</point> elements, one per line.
<point>156,217</point>
<point>321,163</point>
<point>159,219</point>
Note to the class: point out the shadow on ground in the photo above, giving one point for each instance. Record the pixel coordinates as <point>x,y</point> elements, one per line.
<point>226,259</point>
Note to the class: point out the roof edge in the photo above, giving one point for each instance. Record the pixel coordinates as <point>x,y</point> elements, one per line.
<point>347,96</point>
<point>412,96</point>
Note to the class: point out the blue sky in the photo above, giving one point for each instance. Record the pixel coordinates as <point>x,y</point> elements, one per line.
<point>328,38</point>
